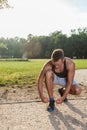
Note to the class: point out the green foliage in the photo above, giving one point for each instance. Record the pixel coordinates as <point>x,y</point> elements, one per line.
<point>4,4</point>
<point>42,46</point>
<point>3,49</point>
<point>32,48</point>
<point>11,48</point>
<point>3,46</point>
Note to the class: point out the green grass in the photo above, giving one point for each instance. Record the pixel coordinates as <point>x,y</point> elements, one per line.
<point>81,64</point>
<point>20,73</point>
<point>26,73</point>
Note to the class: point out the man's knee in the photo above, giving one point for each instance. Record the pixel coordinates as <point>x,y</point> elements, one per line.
<point>78,90</point>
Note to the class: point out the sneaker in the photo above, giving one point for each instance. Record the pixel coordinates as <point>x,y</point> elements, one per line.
<point>51,106</point>
<point>60,90</point>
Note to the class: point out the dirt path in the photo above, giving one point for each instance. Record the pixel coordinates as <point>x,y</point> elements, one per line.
<point>21,109</point>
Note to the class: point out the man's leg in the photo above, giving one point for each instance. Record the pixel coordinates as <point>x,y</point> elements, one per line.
<point>61,82</point>
<point>75,90</point>
<point>49,86</point>
<point>61,92</point>
<point>49,83</point>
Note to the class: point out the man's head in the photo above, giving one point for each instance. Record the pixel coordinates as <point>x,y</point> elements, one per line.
<point>57,54</point>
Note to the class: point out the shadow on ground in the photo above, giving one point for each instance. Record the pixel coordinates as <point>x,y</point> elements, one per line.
<point>68,121</point>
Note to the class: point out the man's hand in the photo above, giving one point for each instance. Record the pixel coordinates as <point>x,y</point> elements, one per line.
<point>59,101</point>
<point>44,99</point>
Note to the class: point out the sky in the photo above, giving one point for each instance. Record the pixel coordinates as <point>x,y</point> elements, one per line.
<point>42,17</point>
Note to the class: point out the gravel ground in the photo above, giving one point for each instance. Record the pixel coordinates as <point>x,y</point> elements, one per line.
<point>21,109</point>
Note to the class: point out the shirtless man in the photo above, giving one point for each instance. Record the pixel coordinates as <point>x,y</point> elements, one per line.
<point>58,70</point>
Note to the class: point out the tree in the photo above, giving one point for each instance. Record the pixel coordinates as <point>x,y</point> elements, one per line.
<point>4,4</point>
<point>29,37</point>
<point>32,48</point>
<point>3,49</point>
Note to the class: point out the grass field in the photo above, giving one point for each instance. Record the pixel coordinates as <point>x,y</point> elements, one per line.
<point>23,73</point>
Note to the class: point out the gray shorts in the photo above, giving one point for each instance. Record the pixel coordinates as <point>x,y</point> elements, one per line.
<point>62,81</point>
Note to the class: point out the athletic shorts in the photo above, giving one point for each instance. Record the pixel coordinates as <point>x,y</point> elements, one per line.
<point>62,81</point>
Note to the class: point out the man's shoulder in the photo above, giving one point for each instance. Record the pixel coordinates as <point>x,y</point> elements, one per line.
<point>69,63</point>
<point>48,65</point>
<point>69,60</point>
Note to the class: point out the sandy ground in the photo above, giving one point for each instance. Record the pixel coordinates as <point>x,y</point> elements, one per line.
<point>21,109</point>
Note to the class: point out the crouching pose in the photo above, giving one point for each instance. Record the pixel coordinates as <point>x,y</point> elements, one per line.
<point>58,70</point>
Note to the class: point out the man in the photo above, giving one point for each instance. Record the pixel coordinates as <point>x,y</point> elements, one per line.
<point>58,70</point>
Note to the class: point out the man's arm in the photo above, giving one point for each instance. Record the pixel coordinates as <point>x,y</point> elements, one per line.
<point>40,82</point>
<point>71,72</point>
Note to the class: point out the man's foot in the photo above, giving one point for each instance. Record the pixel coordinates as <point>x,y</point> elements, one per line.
<point>60,90</point>
<point>51,106</point>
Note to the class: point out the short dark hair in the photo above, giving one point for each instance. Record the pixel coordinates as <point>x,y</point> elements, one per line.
<point>57,54</point>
